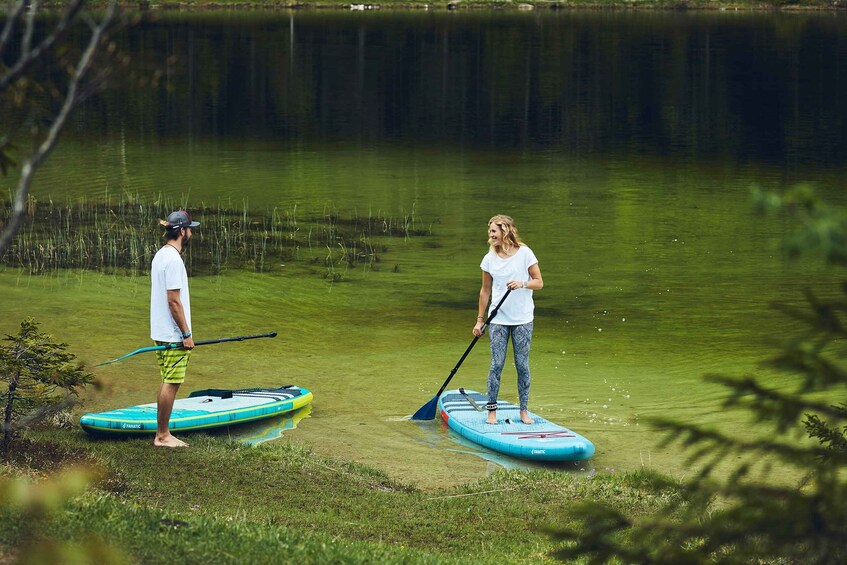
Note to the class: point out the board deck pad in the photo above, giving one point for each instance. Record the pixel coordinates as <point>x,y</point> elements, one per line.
<point>202,409</point>
<point>540,441</point>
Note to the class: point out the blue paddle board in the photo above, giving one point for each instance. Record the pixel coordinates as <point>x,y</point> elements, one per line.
<point>541,441</point>
<point>202,409</point>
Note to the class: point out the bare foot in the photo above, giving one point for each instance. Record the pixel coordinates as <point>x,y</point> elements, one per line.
<point>169,441</point>
<point>525,418</point>
<point>492,417</point>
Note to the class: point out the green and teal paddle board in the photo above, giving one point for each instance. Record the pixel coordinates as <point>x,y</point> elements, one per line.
<point>202,409</point>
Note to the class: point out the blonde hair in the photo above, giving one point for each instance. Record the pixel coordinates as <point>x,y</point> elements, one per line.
<point>510,232</point>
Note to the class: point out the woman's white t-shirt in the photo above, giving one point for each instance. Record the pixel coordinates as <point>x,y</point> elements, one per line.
<point>167,272</point>
<point>518,309</point>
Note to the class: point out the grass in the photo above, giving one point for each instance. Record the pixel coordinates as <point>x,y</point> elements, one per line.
<point>220,501</point>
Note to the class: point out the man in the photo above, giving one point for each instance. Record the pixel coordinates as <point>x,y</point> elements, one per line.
<point>170,318</point>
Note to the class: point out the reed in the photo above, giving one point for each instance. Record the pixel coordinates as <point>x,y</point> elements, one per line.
<point>122,236</point>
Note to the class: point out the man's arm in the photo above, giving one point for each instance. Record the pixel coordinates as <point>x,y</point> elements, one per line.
<point>178,314</point>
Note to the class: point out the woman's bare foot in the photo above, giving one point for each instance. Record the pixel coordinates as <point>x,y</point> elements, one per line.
<point>525,418</point>
<point>168,441</point>
<point>492,417</point>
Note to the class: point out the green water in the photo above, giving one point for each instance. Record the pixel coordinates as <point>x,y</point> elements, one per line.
<point>623,144</point>
<point>656,273</point>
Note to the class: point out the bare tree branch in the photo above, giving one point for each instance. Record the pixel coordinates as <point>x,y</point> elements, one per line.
<point>28,56</point>
<point>26,40</point>
<point>11,21</point>
<point>73,96</point>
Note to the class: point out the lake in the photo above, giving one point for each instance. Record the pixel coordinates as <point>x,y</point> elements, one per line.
<point>624,145</point>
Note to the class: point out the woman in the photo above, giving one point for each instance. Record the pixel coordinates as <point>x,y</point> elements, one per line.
<point>509,264</point>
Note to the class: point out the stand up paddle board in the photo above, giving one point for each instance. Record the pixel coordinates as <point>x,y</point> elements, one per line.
<point>202,409</point>
<point>463,411</point>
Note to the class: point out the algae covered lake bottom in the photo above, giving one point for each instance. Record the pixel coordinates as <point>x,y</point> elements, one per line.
<point>655,275</point>
<point>616,342</point>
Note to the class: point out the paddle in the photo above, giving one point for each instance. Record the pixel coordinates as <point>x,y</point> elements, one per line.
<point>427,411</point>
<point>179,346</point>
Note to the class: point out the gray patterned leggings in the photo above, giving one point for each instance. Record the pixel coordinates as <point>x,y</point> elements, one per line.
<point>521,340</point>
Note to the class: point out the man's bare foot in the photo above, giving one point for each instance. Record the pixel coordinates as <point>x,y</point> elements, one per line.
<point>492,417</point>
<point>525,418</point>
<point>169,441</point>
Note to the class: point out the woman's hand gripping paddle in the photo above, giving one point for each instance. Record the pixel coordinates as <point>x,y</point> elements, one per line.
<point>427,411</point>
<point>179,346</point>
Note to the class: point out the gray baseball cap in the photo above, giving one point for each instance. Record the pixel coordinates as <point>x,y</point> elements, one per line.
<point>181,219</point>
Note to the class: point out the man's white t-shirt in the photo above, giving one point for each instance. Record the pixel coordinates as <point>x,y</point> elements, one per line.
<point>518,309</point>
<point>167,272</point>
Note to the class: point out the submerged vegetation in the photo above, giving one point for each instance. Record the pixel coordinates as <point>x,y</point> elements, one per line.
<point>123,236</point>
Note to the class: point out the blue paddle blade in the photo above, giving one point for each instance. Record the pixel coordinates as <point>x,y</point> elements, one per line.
<point>427,411</point>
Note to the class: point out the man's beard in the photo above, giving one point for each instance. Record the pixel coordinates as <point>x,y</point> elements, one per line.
<point>185,240</point>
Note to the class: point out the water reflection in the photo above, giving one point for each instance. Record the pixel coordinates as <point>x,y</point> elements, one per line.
<point>268,429</point>
<point>758,87</point>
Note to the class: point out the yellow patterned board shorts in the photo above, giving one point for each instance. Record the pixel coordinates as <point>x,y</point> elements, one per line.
<point>172,363</point>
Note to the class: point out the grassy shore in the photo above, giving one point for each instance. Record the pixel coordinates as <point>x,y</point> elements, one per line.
<point>223,502</point>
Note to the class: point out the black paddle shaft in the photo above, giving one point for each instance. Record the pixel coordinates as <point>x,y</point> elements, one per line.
<point>475,339</point>
<point>221,340</point>
<point>179,346</point>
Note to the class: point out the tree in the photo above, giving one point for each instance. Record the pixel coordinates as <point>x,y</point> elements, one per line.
<point>749,516</point>
<point>25,51</point>
<point>40,377</point>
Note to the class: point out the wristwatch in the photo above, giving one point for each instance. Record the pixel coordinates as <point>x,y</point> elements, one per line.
<point>186,335</point>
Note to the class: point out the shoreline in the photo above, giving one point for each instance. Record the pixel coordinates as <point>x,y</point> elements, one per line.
<point>799,6</point>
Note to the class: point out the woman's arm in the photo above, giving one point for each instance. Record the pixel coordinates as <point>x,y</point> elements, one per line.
<point>535,282</point>
<point>484,297</point>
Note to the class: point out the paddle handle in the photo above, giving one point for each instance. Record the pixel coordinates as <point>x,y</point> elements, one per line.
<point>219,340</point>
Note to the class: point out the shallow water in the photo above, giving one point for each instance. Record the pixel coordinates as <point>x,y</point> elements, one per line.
<point>643,295</point>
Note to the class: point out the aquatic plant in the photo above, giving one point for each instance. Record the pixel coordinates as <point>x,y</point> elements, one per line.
<point>123,236</point>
